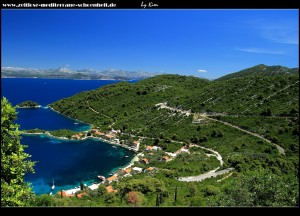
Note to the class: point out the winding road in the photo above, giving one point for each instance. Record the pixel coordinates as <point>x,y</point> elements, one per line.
<point>280,149</point>
<point>209,174</point>
<point>164,106</point>
<point>213,173</point>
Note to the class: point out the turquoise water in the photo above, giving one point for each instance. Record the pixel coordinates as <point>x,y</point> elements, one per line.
<point>47,119</point>
<point>67,162</point>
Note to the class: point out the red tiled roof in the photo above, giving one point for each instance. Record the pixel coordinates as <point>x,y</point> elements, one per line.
<point>81,195</point>
<point>63,193</point>
<point>150,168</point>
<point>111,178</point>
<point>128,170</point>
<point>165,157</point>
<point>109,136</point>
<point>110,189</point>
<point>145,160</point>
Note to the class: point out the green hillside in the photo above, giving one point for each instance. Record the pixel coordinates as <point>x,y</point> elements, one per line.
<point>251,121</point>
<point>123,102</point>
<point>262,69</point>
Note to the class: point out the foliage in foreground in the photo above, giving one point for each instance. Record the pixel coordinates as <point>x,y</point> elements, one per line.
<point>15,162</point>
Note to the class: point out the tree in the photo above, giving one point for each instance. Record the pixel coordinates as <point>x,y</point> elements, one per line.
<point>44,200</point>
<point>15,162</point>
<point>157,200</point>
<point>260,188</point>
<point>175,196</point>
<point>81,185</point>
<point>266,112</point>
<point>174,137</point>
<point>161,135</point>
<point>135,198</point>
<point>102,190</point>
<point>192,191</point>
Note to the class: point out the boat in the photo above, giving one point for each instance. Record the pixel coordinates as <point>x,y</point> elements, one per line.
<point>114,146</point>
<point>126,156</point>
<point>101,177</point>
<point>53,186</point>
<point>76,123</point>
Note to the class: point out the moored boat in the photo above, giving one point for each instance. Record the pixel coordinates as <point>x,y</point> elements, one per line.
<point>101,177</point>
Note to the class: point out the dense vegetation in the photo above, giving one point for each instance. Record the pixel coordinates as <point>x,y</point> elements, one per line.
<point>15,162</point>
<point>172,111</point>
<point>28,104</point>
<point>262,69</point>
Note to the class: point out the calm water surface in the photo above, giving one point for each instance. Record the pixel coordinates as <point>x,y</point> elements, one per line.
<point>64,161</point>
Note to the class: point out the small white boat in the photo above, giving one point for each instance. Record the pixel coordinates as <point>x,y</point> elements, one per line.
<point>53,186</point>
<point>101,177</point>
<point>126,156</point>
<point>114,146</point>
<point>76,123</point>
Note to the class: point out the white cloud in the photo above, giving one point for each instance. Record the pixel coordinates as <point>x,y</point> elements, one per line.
<point>261,51</point>
<point>281,34</point>
<point>278,30</point>
<point>202,71</point>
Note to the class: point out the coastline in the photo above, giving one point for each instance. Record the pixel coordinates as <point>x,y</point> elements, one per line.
<point>29,107</point>
<point>89,137</point>
<point>113,170</point>
<point>95,186</point>
<point>91,125</point>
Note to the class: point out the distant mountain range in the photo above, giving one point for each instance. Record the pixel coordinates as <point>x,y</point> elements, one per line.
<point>66,73</point>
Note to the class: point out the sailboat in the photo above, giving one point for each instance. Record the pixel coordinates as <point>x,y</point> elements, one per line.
<point>53,186</point>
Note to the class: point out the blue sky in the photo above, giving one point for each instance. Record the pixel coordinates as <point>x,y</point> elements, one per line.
<point>203,43</point>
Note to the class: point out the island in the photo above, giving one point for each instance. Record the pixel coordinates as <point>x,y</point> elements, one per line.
<point>233,141</point>
<point>197,141</point>
<point>28,104</point>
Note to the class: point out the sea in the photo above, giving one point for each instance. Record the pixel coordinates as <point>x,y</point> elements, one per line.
<point>64,163</point>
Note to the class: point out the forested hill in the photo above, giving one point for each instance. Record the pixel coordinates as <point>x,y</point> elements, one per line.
<point>252,122</point>
<point>241,96</point>
<point>262,69</point>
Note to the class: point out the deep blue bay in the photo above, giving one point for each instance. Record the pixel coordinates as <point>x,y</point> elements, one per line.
<point>67,162</point>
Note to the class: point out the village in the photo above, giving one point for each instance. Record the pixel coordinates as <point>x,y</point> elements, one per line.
<point>129,170</point>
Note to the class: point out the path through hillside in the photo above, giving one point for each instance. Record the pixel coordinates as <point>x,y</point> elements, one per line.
<point>280,149</point>
<point>209,174</point>
<point>164,106</point>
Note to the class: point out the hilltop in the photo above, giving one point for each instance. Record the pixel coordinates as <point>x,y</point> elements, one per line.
<point>263,70</point>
